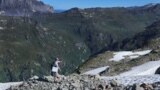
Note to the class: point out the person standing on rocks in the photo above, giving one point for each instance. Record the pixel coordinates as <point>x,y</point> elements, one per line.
<point>56,68</point>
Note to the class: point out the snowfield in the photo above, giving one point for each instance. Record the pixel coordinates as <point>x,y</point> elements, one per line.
<point>118,56</point>
<point>130,80</point>
<point>96,71</point>
<point>4,86</point>
<point>148,68</point>
<point>144,73</point>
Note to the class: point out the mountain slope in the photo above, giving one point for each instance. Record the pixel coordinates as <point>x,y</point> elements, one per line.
<point>27,49</point>
<point>23,7</point>
<point>150,40</point>
<point>100,28</point>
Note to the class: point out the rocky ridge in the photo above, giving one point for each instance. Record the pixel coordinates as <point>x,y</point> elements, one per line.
<point>73,82</point>
<point>23,7</point>
<point>79,82</point>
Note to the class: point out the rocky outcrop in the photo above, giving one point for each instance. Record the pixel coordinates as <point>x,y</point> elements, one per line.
<point>157,71</point>
<point>79,82</point>
<point>72,82</point>
<point>23,7</point>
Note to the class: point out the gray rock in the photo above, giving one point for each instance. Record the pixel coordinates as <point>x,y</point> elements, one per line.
<point>49,78</point>
<point>23,7</point>
<point>79,82</point>
<point>34,78</point>
<point>114,83</point>
<point>147,86</point>
<point>138,87</point>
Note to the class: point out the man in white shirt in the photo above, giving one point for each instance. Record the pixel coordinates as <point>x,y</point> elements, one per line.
<point>55,68</point>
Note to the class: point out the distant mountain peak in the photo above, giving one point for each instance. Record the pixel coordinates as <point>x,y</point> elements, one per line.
<point>73,10</point>
<point>23,7</point>
<point>150,5</point>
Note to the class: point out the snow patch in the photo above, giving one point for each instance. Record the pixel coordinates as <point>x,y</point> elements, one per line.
<point>133,57</point>
<point>96,71</point>
<point>118,56</point>
<point>144,73</point>
<point>4,86</point>
<point>130,80</point>
<point>148,68</point>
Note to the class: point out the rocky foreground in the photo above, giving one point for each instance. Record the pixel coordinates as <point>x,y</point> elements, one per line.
<point>79,82</point>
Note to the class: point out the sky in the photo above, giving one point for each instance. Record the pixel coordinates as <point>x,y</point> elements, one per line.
<point>67,4</point>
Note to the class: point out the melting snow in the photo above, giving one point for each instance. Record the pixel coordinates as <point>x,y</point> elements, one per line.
<point>130,80</point>
<point>122,54</point>
<point>96,71</point>
<point>4,86</point>
<point>144,73</point>
<point>148,68</point>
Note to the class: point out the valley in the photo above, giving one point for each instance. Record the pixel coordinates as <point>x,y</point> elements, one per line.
<point>30,43</point>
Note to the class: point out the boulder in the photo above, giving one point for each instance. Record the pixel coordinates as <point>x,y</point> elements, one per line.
<point>137,87</point>
<point>48,78</point>
<point>146,86</point>
<point>114,83</point>
<point>157,71</point>
<point>34,78</point>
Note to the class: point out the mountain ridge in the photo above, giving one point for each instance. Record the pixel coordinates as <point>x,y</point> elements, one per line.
<point>23,7</point>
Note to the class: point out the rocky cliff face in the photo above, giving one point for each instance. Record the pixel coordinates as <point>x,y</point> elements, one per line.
<point>23,7</point>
